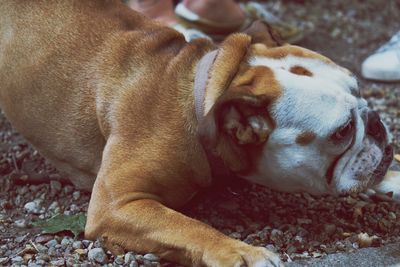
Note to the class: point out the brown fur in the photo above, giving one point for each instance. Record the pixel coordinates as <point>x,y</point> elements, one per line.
<point>305,138</point>
<point>106,95</point>
<point>299,70</point>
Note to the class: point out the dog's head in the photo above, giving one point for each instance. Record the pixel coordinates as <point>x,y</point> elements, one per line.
<point>291,119</point>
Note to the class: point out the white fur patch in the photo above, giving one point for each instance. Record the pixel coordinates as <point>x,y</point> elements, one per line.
<point>309,95</point>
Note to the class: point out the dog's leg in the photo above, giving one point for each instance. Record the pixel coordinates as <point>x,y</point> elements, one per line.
<point>126,209</point>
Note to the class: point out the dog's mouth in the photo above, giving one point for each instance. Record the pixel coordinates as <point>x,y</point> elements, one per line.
<point>384,165</point>
<point>357,173</point>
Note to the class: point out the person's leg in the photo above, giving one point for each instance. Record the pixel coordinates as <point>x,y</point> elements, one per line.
<point>216,18</point>
<point>162,10</point>
<point>219,11</point>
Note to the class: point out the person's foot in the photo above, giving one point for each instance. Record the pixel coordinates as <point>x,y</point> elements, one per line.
<point>384,64</point>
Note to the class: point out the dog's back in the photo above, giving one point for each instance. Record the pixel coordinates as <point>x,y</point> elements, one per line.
<point>65,64</point>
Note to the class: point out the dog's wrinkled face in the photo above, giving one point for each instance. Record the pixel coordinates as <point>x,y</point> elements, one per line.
<point>324,139</point>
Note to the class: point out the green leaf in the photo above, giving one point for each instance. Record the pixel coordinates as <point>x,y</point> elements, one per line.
<point>58,223</point>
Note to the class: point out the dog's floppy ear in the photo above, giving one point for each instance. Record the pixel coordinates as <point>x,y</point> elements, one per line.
<point>236,126</point>
<point>236,122</point>
<point>263,33</point>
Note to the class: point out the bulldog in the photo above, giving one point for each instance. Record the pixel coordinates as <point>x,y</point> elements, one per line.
<point>124,107</point>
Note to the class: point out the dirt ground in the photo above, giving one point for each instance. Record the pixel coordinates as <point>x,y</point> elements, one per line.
<point>297,226</point>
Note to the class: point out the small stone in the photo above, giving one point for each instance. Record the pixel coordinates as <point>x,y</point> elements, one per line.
<point>43,238</point>
<point>276,232</point>
<point>316,254</point>
<point>53,206</point>
<point>65,242</point>
<point>119,259</point>
<point>43,257</point>
<point>20,223</point>
<point>41,248</point>
<point>52,243</point>
<point>76,195</point>
<point>81,251</point>
<point>17,260</point>
<point>129,257</point>
<point>32,207</point>
<point>55,187</point>
<point>97,255</point>
<point>151,257</point>
<point>34,264</point>
<point>87,243</point>
<point>77,244</point>
<point>364,240</point>
<point>133,264</point>
<point>40,262</point>
<point>397,157</point>
<point>4,260</point>
<point>68,189</point>
<point>392,216</point>
<point>59,262</point>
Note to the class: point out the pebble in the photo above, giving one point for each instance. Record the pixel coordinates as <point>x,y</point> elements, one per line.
<point>59,262</point>
<point>21,223</point>
<point>17,260</point>
<point>119,259</point>
<point>68,189</point>
<point>54,206</point>
<point>4,260</point>
<point>86,243</point>
<point>34,264</point>
<point>364,240</point>
<point>81,251</point>
<point>44,238</point>
<point>129,257</point>
<point>97,255</point>
<point>151,257</point>
<point>52,243</point>
<point>55,186</point>
<point>76,195</point>
<point>77,244</point>
<point>65,242</point>
<point>32,207</point>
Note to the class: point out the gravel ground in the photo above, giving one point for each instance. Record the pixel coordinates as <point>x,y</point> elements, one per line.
<point>297,226</point>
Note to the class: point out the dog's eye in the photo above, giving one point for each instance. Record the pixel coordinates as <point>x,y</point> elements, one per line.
<point>344,131</point>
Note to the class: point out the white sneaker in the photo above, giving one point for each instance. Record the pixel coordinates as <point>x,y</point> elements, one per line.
<point>384,64</point>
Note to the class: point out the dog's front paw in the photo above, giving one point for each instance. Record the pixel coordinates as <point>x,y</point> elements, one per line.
<point>240,254</point>
<point>391,183</point>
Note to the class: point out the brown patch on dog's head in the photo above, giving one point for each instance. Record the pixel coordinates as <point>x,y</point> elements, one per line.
<point>305,138</point>
<point>299,70</point>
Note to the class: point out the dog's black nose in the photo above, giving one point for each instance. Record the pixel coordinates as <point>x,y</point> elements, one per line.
<point>375,126</point>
